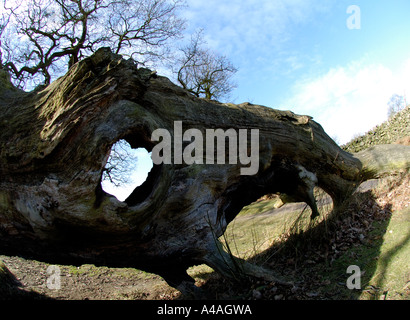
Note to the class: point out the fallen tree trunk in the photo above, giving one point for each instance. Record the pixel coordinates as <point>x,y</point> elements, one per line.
<point>55,143</point>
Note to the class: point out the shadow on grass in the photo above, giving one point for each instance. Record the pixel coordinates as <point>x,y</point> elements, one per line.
<point>392,256</point>
<point>316,259</point>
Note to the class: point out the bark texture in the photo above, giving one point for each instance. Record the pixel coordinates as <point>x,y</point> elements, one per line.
<point>55,143</point>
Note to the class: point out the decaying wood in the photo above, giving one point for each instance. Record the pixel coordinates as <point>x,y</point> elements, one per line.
<point>55,143</point>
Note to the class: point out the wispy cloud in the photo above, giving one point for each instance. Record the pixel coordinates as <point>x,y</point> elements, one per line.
<point>258,36</point>
<point>349,100</point>
<point>299,55</point>
<point>249,25</point>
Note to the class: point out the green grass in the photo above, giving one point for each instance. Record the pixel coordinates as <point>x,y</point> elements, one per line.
<point>250,233</point>
<point>383,260</point>
<point>255,229</point>
<point>260,207</point>
<point>253,233</point>
<point>391,278</point>
<point>264,238</point>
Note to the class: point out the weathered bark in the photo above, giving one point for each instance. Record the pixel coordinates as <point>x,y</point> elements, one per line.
<point>55,143</point>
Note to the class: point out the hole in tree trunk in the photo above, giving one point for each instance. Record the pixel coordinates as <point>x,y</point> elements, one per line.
<point>126,169</point>
<point>269,220</point>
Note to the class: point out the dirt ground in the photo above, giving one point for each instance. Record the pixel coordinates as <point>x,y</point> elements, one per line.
<point>88,282</point>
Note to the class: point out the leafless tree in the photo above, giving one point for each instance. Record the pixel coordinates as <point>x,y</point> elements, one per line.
<point>150,23</point>
<point>47,36</point>
<point>120,161</point>
<point>396,104</point>
<point>203,72</point>
<point>5,16</point>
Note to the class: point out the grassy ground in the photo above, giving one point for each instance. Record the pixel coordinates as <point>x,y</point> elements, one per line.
<point>383,260</point>
<point>371,231</point>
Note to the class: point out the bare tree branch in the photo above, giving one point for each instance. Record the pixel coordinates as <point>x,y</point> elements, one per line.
<point>52,33</point>
<point>203,72</point>
<point>120,161</point>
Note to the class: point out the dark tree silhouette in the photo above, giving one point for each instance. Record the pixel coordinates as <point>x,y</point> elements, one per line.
<point>41,38</point>
<point>203,72</point>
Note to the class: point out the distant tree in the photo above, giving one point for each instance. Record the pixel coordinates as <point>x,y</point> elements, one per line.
<point>41,38</point>
<point>120,163</point>
<point>203,72</point>
<point>396,104</point>
<point>4,21</point>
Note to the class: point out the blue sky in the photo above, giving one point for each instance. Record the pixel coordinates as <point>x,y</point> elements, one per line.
<point>300,55</point>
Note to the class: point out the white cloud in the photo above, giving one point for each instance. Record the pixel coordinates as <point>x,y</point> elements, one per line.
<point>238,26</point>
<point>349,100</point>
